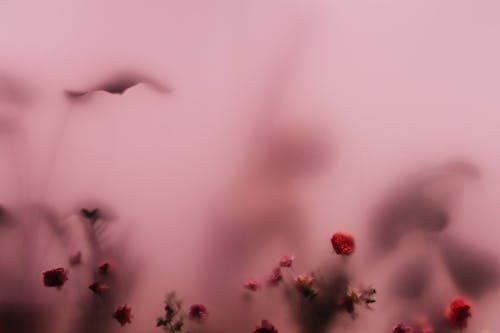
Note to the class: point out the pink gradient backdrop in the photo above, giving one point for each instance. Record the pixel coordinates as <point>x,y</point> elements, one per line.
<point>401,83</point>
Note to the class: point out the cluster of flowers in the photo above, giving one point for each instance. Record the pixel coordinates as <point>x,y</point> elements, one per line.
<point>173,319</point>
<point>456,313</point>
<point>343,244</point>
<point>57,277</point>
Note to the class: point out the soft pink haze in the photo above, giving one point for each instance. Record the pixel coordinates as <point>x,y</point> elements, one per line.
<point>386,87</point>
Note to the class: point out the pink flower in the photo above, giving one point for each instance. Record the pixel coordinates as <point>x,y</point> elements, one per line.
<point>342,243</point>
<point>99,288</point>
<point>251,285</point>
<point>276,277</point>
<point>123,314</point>
<point>265,327</point>
<point>304,284</point>
<point>198,312</point>
<point>287,261</point>
<point>55,277</point>
<point>457,312</point>
<point>402,328</point>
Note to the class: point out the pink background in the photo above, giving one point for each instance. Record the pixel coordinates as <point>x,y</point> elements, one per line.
<point>401,84</point>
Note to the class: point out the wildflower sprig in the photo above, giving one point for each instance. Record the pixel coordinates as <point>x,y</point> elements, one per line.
<point>173,319</point>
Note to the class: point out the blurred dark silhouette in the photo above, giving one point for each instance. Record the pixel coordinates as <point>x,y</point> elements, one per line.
<point>475,272</point>
<point>412,279</point>
<point>15,90</point>
<point>118,84</point>
<point>422,203</point>
<point>24,318</point>
<point>22,306</point>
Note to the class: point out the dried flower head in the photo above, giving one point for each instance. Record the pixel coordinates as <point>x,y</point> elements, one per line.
<point>99,288</point>
<point>265,327</point>
<point>123,314</point>
<point>458,312</point>
<point>276,277</point>
<point>354,296</point>
<point>304,284</point>
<point>55,277</point>
<point>287,261</point>
<point>343,243</point>
<point>198,312</point>
<point>402,328</point>
<point>252,285</point>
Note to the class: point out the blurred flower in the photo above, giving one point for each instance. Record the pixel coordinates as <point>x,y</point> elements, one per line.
<point>99,288</point>
<point>342,243</point>
<point>198,312</point>
<point>123,314</point>
<point>251,285</point>
<point>457,312</point>
<point>287,261</point>
<point>105,268</point>
<point>75,259</point>
<point>276,277</point>
<point>265,327</point>
<point>304,284</point>
<point>402,328</point>
<point>55,277</point>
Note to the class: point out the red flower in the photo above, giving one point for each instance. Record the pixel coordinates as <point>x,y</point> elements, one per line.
<point>252,285</point>
<point>99,288</point>
<point>198,312</point>
<point>123,314</point>
<point>105,268</point>
<point>457,312</point>
<point>275,277</point>
<point>265,327</point>
<point>342,243</point>
<point>402,328</point>
<point>287,261</point>
<point>55,277</point>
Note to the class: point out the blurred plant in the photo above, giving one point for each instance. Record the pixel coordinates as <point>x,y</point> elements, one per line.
<point>173,319</point>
